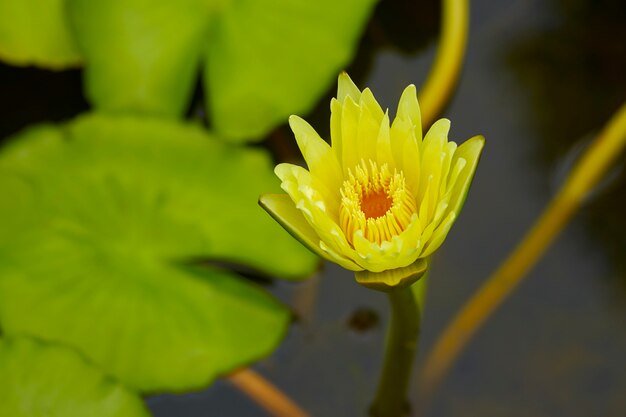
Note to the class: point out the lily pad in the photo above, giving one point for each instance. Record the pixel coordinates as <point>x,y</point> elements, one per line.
<point>41,380</point>
<point>36,32</point>
<point>263,60</point>
<point>142,56</point>
<point>111,213</point>
<point>268,60</point>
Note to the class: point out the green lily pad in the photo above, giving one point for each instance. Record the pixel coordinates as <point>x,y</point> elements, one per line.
<point>142,56</point>
<point>264,60</point>
<point>268,60</point>
<point>36,32</point>
<point>111,211</point>
<point>41,380</point>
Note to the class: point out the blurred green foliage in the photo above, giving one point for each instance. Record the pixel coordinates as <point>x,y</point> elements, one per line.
<point>105,216</point>
<point>47,380</point>
<point>36,32</point>
<point>262,61</point>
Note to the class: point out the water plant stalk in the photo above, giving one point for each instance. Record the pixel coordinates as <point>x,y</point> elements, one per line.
<point>402,340</point>
<point>269,397</point>
<point>444,73</point>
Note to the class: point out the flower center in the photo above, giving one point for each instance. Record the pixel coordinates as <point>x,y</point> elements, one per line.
<point>376,202</point>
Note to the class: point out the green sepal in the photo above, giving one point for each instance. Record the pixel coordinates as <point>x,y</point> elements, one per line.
<point>393,278</point>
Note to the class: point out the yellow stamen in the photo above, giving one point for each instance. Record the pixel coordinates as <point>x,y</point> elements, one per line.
<point>376,202</point>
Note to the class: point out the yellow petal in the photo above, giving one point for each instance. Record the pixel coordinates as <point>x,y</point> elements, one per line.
<point>347,88</point>
<point>433,194</point>
<point>305,193</point>
<point>432,157</point>
<point>399,252</point>
<point>437,135</point>
<point>424,207</point>
<point>409,110</point>
<point>299,184</point>
<point>384,154</point>
<point>333,256</point>
<point>439,235</point>
<point>406,153</point>
<point>459,165</point>
<point>412,236</point>
<point>367,133</point>
<point>372,256</point>
<point>332,239</point>
<point>435,222</point>
<point>449,150</point>
<point>317,153</point>
<point>336,113</point>
<point>470,151</point>
<point>351,152</point>
<point>282,208</point>
<point>369,102</point>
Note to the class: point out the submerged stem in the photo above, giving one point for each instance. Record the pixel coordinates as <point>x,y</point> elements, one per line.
<point>261,391</point>
<point>404,327</point>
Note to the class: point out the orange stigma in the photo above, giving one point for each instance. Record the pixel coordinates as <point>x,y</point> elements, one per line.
<point>375,204</point>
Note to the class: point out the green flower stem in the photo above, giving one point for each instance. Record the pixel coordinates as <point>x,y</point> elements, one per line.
<point>404,329</point>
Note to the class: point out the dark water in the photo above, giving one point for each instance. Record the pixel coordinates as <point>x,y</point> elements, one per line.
<point>540,78</point>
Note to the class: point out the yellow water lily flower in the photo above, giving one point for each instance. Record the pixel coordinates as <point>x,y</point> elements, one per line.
<point>381,199</point>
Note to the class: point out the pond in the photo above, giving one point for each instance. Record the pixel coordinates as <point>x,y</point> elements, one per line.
<point>540,78</point>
